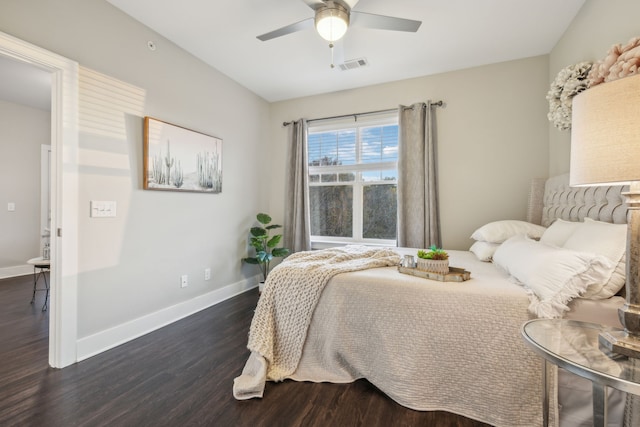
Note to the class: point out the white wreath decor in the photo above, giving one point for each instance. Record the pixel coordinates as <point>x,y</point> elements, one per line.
<point>569,82</point>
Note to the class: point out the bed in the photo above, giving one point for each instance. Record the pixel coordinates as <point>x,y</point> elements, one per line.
<point>441,346</point>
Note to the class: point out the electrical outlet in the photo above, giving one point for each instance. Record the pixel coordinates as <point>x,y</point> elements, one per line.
<point>207,273</point>
<point>11,207</point>
<point>184,281</point>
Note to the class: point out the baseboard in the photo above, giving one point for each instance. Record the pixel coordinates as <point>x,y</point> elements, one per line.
<point>18,270</point>
<point>102,341</point>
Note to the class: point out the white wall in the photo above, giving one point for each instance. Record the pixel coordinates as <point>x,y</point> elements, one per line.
<point>130,265</point>
<point>492,137</point>
<point>598,26</point>
<point>22,131</point>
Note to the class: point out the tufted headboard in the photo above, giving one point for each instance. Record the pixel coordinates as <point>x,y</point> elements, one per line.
<point>554,198</point>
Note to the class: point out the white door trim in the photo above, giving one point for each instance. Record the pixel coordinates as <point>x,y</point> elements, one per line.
<point>45,193</point>
<point>63,314</point>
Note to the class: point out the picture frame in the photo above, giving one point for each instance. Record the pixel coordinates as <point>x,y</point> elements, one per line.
<point>180,159</point>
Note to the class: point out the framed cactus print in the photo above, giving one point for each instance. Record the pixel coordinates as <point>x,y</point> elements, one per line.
<point>179,159</point>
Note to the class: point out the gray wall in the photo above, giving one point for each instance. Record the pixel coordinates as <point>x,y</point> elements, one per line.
<point>130,266</point>
<point>22,132</point>
<point>492,137</point>
<point>598,26</point>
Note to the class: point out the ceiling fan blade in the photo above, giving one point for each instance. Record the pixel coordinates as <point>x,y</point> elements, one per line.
<point>351,3</point>
<point>382,22</point>
<point>314,4</point>
<point>292,28</point>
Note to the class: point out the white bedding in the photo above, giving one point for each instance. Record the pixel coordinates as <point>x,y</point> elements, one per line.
<point>433,345</point>
<point>430,345</point>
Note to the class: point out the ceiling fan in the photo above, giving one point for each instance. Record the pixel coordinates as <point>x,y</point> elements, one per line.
<point>333,17</point>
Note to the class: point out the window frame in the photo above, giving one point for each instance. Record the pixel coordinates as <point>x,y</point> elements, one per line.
<point>358,185</point>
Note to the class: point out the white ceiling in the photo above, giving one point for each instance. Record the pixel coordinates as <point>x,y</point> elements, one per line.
<point>455,34</point>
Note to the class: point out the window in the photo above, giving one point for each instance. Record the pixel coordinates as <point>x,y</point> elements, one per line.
<point>353,171</point>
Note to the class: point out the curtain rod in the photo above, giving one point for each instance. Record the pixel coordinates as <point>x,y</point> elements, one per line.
<point>433,104</point>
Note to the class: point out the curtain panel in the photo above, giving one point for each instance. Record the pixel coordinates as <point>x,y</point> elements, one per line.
<point>297,228</point>
<point>418,216</point>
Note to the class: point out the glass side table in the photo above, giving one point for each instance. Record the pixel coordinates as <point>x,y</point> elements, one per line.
<point>573,346</point>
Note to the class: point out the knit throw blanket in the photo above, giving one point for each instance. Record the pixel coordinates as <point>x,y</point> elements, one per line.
<point>279,326</point>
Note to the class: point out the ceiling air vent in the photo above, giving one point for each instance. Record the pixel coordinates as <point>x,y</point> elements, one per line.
<point>352,64</point>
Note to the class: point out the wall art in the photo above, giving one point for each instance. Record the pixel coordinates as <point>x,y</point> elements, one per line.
<point>179,159</point>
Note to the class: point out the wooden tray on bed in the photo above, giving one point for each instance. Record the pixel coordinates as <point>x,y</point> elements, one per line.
<point>455,274</point>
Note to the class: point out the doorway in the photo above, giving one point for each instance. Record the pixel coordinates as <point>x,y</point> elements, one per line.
<point>64,141</point>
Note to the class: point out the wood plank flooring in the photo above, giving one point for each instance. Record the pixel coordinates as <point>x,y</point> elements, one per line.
<point>180,375</point>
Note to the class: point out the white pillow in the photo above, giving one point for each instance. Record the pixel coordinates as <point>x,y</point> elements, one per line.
<point>552,276</point>
<point>559,232</point>
<point>484,250</point>
<point>609,240</point>
<point>499,231</point>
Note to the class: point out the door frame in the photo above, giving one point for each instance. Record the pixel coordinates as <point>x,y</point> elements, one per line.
<point>63,311</point>
<point>45,194</point>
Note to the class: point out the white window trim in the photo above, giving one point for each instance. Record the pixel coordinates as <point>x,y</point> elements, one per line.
<point>322,242</point>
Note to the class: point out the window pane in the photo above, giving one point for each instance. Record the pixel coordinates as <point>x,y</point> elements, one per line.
<point>332,148</point>
<point>390,143</point>
<point>379,211</point>
<point>329,177</point>
<point>380,175</point>
<point>331,210</point>
<point>379,144</point>
<point>347,147</point>
<point>347,177</point>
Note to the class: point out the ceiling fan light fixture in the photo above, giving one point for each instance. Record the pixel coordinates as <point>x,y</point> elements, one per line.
<point>332,21</point>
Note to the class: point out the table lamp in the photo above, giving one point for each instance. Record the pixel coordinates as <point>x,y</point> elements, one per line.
<point>605,150</point>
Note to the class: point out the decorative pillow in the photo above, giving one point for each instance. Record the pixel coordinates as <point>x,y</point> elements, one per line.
<point>499,231</point>
<point>552,276</point>
<point>484,250</point>
<point>559,232</point>
<point>606,239</point>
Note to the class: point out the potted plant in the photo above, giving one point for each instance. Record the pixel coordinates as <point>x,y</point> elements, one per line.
<point>265,245</point>
<point>435,260</point>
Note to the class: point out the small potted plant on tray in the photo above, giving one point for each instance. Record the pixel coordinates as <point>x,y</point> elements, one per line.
<point>265,245</point>
<point>434,260</point>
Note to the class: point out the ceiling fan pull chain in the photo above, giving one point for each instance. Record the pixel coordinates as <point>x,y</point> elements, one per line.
<point>331,47</point>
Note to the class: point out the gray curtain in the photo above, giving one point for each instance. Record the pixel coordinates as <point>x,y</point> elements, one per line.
<point>418,218</point>
<point>297,229</point>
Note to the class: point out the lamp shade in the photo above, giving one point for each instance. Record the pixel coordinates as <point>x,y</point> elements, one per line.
<point>605,134</point>
<point>332,22</point>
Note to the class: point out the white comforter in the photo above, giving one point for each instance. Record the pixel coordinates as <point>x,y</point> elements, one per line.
<point>428,345</point>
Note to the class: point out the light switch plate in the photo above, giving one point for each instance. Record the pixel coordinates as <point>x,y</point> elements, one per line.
<point>103,209</point>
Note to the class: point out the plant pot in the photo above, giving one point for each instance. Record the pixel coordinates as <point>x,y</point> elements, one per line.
<point>440,266</point>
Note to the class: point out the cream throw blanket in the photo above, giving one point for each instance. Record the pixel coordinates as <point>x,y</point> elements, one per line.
<point>293,288</point>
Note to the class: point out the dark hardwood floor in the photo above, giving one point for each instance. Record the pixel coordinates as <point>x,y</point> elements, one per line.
<point>180,375</point>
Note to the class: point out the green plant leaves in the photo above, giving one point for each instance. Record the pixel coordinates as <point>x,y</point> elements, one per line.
<point>263,256</point>
<point>264,244</point>
<point>259,232</point>
<point>280,252</point>
<point>263,218</point>
<point>273,242</point>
